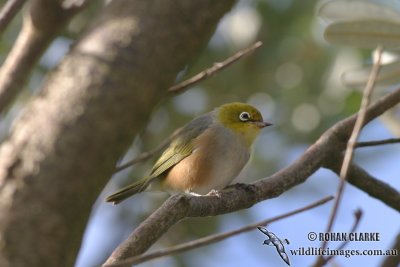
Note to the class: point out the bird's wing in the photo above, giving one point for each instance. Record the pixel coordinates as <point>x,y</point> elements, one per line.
<point>283,255</point>
<point>182,145</point>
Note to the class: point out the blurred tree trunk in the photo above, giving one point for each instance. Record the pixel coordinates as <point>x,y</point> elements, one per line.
<point>64,147</point>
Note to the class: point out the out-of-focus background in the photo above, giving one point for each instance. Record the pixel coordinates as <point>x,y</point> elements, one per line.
<point>296,80</point>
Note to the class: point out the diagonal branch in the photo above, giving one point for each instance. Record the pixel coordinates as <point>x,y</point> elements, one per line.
<point>241,196</point>
<point>148,154</point>
<point>367,183</point>
<point>350,147</point>
<point>214,238</point>
<point>42,22</point>
<point>379,142</point>
<point>357,218</point>
<point>180,87</point>
<point>394,260</point>
<point>8,12</point>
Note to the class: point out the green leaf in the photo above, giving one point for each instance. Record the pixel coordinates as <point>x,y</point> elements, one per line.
<point>340,10</point>
<point>389,74</point>
<point>366,34</point>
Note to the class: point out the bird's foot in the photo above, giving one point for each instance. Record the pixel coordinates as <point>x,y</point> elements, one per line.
<point>215,193</point>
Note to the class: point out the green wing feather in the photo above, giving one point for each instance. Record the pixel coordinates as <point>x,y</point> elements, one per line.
<point>171,156</point>
<point>128,191</point>
<point>181,147</point>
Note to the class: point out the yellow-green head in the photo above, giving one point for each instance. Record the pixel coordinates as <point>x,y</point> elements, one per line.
<point>241,118</point>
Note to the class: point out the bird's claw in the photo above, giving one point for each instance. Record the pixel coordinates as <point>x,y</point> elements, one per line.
<point>215,193</point>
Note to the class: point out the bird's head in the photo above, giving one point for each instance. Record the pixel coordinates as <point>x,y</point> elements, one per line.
<point>241,118</point>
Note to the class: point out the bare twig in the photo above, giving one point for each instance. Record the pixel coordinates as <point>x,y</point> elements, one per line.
<point>359,123</point>
<point>214,69</point>
<point>148,154</point>
<point>393,261</point>
<point>357,218</point>
<point>213,238</point>
<point>182,86</point>
<point>378,142</point>
<point>8,12</point>
<point>358,177</point>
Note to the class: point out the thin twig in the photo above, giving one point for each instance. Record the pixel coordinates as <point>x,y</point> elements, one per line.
<point>148,154</point>
<point>393,260</point>
<point>357,218</point>
<point>180,87</point>
<point>8,12</point>
<point>213,238</point>
<point>364,181</point>
<point>378,142</point>
<point>214,69</point>
<point>348,156</point>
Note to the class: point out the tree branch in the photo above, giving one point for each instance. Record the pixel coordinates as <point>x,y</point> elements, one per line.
<point>43,21</point>
<point>378,142</point>
<point>393,261</point>
<point>350,147</point>
<point>321,261</point>
<point>367,183</point>
<point>214,238</point>
<point>239,196</point>
<point>148,154</point>
<point>8,12</point>
<point>182,86</point>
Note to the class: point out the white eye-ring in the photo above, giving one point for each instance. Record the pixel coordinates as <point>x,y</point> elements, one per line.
<point>244,116</point>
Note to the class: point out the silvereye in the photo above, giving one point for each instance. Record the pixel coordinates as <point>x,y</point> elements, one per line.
<point>206,154</point>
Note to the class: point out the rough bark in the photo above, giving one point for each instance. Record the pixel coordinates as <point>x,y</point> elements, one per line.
<point>43,20</point>
<point>64,147</point>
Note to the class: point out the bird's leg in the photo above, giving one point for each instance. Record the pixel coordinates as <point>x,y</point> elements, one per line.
<point>194,194</point>
<point>213,192</point>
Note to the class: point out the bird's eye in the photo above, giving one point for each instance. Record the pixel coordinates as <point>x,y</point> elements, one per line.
<point>244,116</point>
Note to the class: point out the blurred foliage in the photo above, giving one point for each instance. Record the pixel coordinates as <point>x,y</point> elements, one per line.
<point>294,79</point>
<point>367,24</point>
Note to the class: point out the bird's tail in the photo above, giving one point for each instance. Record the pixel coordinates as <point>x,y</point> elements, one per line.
<point>128,191</point>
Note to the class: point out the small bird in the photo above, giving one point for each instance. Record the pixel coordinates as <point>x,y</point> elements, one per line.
<point>273,240</point>
<point>205,155</point>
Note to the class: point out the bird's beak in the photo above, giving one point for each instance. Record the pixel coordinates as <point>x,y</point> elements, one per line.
<point>262,124</point>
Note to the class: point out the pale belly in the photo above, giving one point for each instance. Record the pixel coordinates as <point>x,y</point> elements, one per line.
<point>214,163</point>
